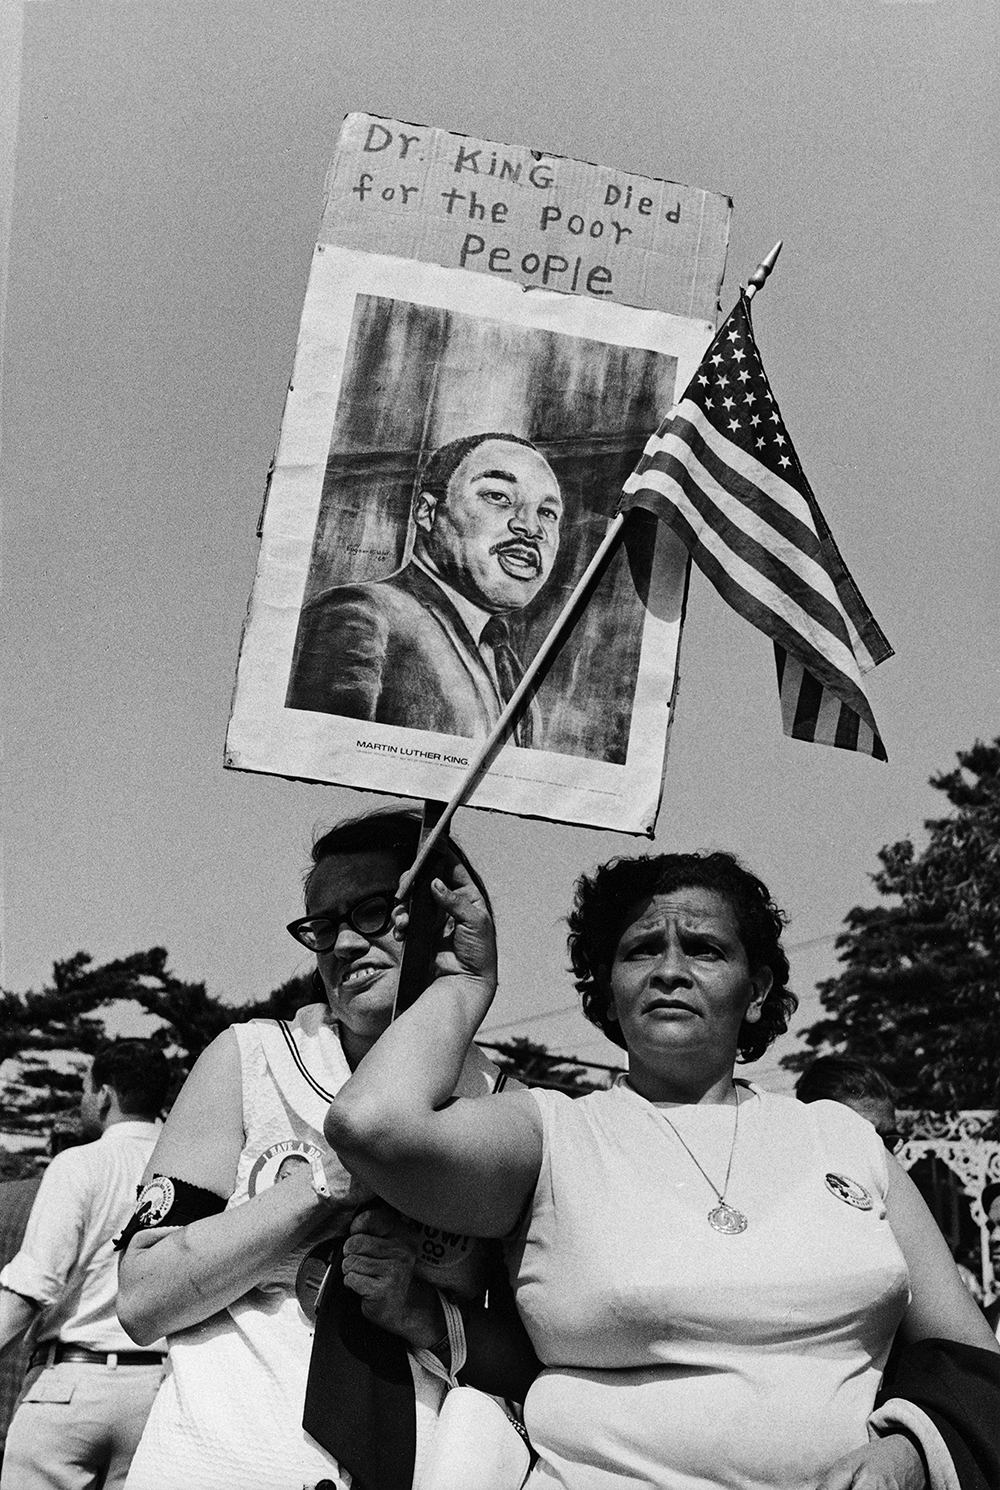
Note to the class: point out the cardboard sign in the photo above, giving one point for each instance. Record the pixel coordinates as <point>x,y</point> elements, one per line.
<point>451,451</point>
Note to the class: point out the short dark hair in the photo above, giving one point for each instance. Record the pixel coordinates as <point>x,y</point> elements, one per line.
<point>989,1195</point>
<point>389,830</point>
<point>445,461</point>
<point>603,907</point>
<point>836,1078</point>
<point>138,1073</point>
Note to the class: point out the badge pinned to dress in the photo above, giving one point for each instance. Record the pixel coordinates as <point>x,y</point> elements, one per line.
<point>849,1191</point>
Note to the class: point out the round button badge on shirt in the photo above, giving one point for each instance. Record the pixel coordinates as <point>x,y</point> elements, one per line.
<point>849,1191</point>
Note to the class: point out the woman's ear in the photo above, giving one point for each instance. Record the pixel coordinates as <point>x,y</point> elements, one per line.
<point>761,982</point>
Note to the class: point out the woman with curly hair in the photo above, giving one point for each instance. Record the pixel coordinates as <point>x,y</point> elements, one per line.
<point>711,1275</point>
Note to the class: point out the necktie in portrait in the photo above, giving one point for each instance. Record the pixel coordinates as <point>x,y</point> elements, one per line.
<point>509,672</point>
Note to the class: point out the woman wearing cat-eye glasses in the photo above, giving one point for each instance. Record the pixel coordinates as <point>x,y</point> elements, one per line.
<point>213,1253</point>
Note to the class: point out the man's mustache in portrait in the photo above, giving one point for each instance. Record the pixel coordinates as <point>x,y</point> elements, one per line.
<point>522,552</point>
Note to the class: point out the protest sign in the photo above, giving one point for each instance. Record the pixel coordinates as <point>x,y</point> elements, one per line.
<point>451,452</point>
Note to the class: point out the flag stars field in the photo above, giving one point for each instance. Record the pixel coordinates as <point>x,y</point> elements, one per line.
<point>752,387</point>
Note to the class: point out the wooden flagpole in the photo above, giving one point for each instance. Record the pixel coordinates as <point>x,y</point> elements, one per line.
<point>417,962</point>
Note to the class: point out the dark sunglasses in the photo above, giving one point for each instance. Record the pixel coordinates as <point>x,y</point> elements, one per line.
<point>370,917</point>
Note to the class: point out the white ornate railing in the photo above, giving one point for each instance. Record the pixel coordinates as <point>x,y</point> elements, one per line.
<point>969,1144</point>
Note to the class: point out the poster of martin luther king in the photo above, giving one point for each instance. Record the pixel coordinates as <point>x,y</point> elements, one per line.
<point>452,449</point>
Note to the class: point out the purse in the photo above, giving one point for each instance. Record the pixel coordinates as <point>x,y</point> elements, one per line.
<point>477,1445</point>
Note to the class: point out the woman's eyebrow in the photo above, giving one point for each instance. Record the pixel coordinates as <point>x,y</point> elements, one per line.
<point>387,892</point>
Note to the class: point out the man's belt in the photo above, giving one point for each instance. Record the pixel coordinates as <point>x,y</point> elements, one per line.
<point>54,1351</point>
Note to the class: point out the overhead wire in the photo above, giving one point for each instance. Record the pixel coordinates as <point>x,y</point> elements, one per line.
<point>511,1024</point>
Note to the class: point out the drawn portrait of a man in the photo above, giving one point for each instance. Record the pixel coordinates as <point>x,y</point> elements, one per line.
<point>473,465</point>
<point>430,646</point>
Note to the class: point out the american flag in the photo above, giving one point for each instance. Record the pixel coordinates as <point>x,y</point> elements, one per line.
<point>722,472</point>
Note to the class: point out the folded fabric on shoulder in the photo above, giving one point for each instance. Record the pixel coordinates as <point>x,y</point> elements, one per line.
<point>956,1387</point>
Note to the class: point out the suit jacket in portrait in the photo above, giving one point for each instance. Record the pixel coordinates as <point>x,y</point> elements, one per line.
<point>394,651</point>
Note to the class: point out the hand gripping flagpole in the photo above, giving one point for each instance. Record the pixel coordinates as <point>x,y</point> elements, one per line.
<point>518,699</point>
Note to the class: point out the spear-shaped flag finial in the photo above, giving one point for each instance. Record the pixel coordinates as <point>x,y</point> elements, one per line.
<point>758,278</point>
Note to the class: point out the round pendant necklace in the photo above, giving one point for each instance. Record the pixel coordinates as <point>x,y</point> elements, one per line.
<point>722,1217</point>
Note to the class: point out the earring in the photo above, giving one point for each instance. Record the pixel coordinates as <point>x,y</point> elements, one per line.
<point>318,986</point>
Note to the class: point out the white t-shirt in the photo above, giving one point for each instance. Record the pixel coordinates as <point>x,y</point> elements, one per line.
<point>684,1359</point>
<point>67,1262</point>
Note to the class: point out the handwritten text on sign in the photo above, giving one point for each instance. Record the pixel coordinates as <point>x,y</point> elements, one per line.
<point>545,220</point>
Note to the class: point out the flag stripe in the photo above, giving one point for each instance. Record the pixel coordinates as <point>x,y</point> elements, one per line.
<point>801,507</point>
<point>748,606</point>
<point>758,492</point>
<point>786,586</point>
<point>848,725</point>
<point>871,742</point>
<point>768,496</point>
<point>810,712</point>
<point>807,706</point>
<point>870,638</point>
<point>708,528</point>
<point>831,716</point>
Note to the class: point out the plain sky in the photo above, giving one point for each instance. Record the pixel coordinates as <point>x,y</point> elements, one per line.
<point>163,181</point>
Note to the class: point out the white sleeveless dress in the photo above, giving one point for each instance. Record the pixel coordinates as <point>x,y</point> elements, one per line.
<point>683,1359</point>
<point>229,1413</point>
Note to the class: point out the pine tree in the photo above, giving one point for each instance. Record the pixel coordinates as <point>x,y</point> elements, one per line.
<point>920,990</point>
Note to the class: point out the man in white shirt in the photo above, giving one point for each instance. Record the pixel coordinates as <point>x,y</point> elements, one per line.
<point>87,1391</point>
<point>431,647</point>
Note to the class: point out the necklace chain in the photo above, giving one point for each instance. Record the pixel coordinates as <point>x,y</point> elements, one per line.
<point>719,1194</point>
